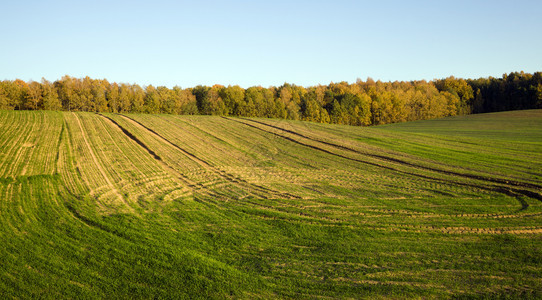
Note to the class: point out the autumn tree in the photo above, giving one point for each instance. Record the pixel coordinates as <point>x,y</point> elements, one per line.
<point>461,88</point>
<point>33,96</point>
<point>125,98</point>
<point>151,100</point>
<point>6,92</point>
<point>112,96</point>
<point>269,108</point>
<point>19,92</point>
<point>184,102</point>
<point>138,98</point>
<point>99,95</point>
<point>50,96</point>
<point>361,103</point>
<point>216,103</point>
<point>84,92</point>
<point>65,90</point>
<point>290,96</point>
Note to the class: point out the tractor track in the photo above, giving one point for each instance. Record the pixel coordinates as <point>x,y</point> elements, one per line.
<point>507,190</point>
<point>261,190</point>
<point>402,162</point>
<point>189,183</point>
<point>98,164</point>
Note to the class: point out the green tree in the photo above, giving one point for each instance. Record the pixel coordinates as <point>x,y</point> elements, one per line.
<point>338,114</point>
<point>311,109</point>
<point>202,99</point>
<point>234,99</point>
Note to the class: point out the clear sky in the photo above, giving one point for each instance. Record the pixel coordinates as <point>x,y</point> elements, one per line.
<point>265,43</point>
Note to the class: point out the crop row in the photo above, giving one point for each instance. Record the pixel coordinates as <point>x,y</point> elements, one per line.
<point>107,204</point>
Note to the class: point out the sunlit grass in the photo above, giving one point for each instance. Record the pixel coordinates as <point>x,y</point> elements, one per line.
<point>162,206</point>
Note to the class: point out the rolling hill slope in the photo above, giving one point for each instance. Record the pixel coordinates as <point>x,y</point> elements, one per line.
<point>108,205</point>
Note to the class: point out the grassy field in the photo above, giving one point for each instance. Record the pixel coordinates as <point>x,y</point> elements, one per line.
<point>164,206</point>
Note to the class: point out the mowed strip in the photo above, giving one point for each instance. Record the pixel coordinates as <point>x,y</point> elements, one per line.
<point>256,157</point>
<point>28,144</point>
<point>358,228</point>
<point>220,179</point>
<point>414,185</point>
<point>95,159</point>
<point>113,167</point>
<point>506,186</point>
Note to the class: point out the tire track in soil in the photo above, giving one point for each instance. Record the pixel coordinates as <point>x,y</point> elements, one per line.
<point>191,184</point>
<point>228,177</point>
<point>399,161</point>
<point>99,166</point>
<point>506,190</point>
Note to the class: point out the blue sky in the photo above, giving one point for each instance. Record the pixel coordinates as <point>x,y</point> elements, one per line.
<point>265,43</point>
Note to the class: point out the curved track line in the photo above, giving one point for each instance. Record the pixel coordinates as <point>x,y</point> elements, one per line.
<point>194,186</point>
<point>97,163</point>
<point>509,191</point>
<point>174,172</point>
<point>229,177</point>
<point>399,161</point>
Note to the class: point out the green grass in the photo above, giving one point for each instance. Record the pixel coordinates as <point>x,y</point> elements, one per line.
<point>162,206</point>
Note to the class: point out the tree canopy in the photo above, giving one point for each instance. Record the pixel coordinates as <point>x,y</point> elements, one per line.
<point>361,103</point>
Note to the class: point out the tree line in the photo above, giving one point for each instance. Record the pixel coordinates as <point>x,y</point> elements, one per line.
<point>361,103</point>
